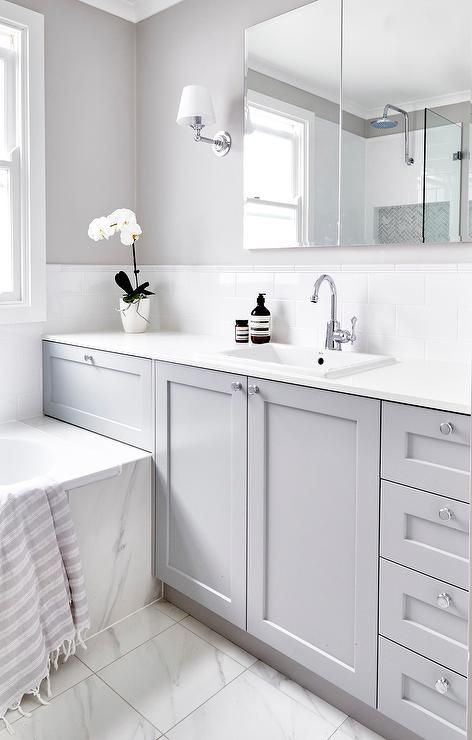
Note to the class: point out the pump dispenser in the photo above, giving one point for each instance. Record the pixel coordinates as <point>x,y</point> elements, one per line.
<point>260,324</point>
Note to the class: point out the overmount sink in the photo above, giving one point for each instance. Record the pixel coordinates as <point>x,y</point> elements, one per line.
<point>325,364</point>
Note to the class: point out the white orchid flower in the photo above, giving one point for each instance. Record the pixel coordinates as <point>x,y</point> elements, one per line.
<point>100,229</point>
<point>130,234</point>
<point>121,218</point>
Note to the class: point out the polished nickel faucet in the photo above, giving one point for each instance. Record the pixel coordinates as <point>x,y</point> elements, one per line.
<point>335,336</point>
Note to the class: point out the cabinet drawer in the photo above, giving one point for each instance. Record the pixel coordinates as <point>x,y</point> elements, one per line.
<point>426,532</point>
<point>410,693</point>
<point>426,449</point>
<point>105,392</point>
<point>425,615</point>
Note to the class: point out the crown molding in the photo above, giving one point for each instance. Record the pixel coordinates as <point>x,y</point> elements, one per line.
<point>132,10</point>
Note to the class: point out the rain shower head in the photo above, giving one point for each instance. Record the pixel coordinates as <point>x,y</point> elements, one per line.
<point>388,123</point>
<point>384,122</point>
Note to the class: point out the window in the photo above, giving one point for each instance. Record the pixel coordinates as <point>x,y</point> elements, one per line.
<point>22,168</point>
<point>278,149</point>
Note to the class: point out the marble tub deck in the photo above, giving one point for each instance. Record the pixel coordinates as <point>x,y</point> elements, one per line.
<point>160,674</point>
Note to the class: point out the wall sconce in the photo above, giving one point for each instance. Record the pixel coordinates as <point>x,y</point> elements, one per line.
<point>196,110</point>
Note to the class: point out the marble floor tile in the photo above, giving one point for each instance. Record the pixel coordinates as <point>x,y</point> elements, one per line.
<point>67,675</point>
<point>218,641</point>
<point>171,675</point>
<point>89,711</point>
<point>171,610</point>
<point>325,711</point>
<point>251,709</point>
<point>352,730</point>
<point>124,636</point>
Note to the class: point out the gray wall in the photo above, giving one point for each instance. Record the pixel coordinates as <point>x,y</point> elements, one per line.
<point>90,126</point>
<point>190,202</point>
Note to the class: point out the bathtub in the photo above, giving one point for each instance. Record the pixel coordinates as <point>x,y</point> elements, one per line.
<point>110,491</point>
<point>49,448</point>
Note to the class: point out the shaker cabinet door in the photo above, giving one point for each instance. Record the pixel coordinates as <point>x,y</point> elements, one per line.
<point>313,507</point>
<point>201,486</point>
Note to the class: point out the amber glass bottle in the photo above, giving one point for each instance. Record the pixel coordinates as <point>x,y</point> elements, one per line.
<point>260,322</point>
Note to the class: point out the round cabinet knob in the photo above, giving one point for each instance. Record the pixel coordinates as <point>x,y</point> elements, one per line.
<point>442,685</point>
<point>237,386</point>
<point>446,427</point>
<point>444,601</point>
<point>445,514</point>
<point>253,389</point>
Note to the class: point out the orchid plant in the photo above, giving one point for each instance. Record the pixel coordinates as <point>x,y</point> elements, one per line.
<point>122,221</point>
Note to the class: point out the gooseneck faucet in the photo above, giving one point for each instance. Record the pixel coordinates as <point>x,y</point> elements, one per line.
<point>335,336</point>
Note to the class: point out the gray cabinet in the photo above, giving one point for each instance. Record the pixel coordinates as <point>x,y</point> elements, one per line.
<point>426,449</point>
<point>420,694</point>
<point>104,392</point>
<point>313,508</point>
<point>201,486</point>
<point>425,615</point>
<point>426,532</point>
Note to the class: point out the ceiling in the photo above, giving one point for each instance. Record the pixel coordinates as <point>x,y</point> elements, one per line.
<point>132,10</point>
<point>414,54</point>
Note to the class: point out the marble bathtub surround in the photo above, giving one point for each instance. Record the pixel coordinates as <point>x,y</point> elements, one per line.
<point>194,672</point>
<point>411,311</point>
<point>112,523</point>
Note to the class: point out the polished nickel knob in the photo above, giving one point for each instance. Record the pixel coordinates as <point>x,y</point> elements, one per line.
<point>442,685</point>
<point>253,389</point>
<point>446,427</point>
<point>443,601</point>
<point>88,358</point>
<point>237,386</point>
<point>445,514</point>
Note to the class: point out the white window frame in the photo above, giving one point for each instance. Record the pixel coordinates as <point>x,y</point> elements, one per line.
<point>27,166</point>
<point>305,165</point>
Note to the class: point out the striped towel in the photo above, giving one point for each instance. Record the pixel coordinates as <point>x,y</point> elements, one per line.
<point>43,606</point>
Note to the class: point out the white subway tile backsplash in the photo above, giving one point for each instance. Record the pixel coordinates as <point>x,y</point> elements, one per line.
<point>408,310</point>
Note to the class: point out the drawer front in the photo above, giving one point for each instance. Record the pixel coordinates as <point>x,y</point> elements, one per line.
<point>426,532</point>
<point>410,693</point>
<point>105,392</point>
<point>426,449</point>
<point>425,615</point>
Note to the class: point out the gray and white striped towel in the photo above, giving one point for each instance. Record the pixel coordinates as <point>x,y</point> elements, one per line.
<point>43,606</point>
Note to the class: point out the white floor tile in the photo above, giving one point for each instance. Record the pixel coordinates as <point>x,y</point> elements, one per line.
<point>89,711</point>
<point>329,714</point>
<point>352,730</point>
<point>251,709</point>
<point>67,675</point>
<point>171,610</point>
<point>170,676</point>
<point>123,637</point>
<point>218,641</point>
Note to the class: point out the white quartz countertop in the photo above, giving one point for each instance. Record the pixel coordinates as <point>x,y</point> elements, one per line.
<point>440,385</point>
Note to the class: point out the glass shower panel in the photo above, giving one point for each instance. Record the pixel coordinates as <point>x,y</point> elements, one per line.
<point>442,179</point>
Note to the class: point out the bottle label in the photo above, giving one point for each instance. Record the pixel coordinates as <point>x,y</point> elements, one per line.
<point>260,326</point>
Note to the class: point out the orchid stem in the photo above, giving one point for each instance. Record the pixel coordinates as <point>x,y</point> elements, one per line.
<point>136,271</point>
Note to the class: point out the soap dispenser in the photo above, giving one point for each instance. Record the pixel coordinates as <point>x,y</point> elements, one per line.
<point>260,323</point>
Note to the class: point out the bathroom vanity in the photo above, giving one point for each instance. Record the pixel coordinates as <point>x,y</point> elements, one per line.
<point>326,517</point>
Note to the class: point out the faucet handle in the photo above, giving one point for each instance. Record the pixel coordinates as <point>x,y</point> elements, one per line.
<point>353,329</point>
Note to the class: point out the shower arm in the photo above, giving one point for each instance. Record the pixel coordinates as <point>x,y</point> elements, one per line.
<point>408,159</point>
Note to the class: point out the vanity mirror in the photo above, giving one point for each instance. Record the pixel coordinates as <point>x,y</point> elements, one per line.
<point>357,125</point>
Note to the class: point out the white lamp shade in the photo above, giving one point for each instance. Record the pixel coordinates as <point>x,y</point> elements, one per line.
<point>195,103</point>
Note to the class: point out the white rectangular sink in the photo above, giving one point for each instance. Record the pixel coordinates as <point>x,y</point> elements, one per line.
<point>325,364</point>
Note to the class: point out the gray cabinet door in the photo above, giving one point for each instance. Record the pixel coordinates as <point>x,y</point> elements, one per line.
<point>313,518</point>
<point>426,449</point>
<point>201,486</point>
<point>106,392</point>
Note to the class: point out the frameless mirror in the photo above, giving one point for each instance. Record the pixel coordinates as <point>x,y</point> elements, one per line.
<point>392,164</point>
<point>292,124</point>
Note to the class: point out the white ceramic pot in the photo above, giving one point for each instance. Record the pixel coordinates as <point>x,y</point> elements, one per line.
<point>135,316</point>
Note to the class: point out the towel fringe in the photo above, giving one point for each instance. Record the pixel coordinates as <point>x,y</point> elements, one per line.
<point>8,726</point>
